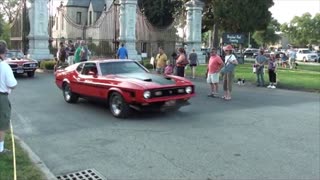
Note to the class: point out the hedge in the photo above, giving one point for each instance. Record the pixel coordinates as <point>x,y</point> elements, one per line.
<point>48,65</point>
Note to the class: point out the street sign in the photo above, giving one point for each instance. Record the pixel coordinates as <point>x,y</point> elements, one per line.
<point>232,38</point>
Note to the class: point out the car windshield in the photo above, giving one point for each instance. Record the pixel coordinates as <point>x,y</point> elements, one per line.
<point>121,67</point>
<point>14,54</point>
<point>306,51</point>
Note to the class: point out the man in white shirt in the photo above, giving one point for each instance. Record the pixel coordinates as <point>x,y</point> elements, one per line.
<point>7,83</point>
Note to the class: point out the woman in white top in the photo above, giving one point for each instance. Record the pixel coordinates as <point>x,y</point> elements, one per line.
<point>228,71</point>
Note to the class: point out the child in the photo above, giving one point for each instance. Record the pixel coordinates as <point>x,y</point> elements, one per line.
<point>272,68</point>
<point>168,69</point>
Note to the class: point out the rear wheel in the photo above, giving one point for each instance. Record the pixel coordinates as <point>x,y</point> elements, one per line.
<point>118,107</point>
<point>68,95</point>
<point>30,74</point>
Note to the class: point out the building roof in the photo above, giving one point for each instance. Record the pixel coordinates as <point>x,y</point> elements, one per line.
<point>78,3</point>
<point>98,5</point>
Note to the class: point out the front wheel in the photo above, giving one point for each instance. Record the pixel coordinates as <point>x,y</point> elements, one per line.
<point>68,95</point>
<point>118,107</point>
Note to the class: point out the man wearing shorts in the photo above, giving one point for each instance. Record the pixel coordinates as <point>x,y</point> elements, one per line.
<point>214,66</point>
<point>7,82</point>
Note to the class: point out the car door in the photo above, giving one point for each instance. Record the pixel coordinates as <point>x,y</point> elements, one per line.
<point>74,79</point>
<point>87,81</point>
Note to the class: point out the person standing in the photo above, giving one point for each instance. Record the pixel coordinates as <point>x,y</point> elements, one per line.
<point>228,71</point>
<point>259,63</point>
<point>77,53</point>
<point>84,54</point>
<point>272,69</point>
<point>193,59</point>
<point>292,54</point>
<point>214,66</point>
<point>122,52</point>
<point>181,62</point>
<point>71,50</point>
<point>161,61</point>
<point>7,83</point>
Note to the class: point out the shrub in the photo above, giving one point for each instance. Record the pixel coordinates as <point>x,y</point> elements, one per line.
<point>48,65</point>
<point>148,66</point>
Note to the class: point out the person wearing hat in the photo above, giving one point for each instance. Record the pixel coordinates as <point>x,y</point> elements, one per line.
<point>228,71</point>
<point>7,83</point>
<point>260,61</point>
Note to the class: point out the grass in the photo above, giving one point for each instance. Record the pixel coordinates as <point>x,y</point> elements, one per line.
<point>25,168</point>
<point>306,77</point>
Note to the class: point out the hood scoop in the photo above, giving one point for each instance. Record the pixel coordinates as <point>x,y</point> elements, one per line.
<point>148,80</point>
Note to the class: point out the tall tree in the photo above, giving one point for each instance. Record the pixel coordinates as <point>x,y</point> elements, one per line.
<point>160,13</point>
<point>9,9</point>
<point>268,36</point>
<point>303,30</point>
<point>240,16</point>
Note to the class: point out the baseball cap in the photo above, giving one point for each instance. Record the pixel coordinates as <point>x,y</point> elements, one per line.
<point>3,47</point>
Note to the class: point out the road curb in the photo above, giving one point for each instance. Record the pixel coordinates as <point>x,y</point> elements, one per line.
<point>36,160</point>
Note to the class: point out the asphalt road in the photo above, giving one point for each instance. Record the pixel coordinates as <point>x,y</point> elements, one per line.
<point>261,134</point>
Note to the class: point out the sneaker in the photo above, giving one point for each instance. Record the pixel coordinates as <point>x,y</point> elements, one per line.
<point>273,87</point>
<point>269,86</point>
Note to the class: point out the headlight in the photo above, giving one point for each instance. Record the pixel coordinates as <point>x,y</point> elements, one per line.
<point>147,94</point>
<point>188,90</point>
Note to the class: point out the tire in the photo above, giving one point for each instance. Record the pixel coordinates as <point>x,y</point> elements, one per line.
<point>30,74</point>
<point>118,107</point>
<point>68,95</point>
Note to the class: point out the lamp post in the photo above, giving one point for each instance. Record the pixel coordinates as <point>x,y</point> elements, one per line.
<point>115,41</point>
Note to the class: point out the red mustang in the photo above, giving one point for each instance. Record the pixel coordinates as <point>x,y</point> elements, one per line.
<point>124,85</point>
<point>19,64</point>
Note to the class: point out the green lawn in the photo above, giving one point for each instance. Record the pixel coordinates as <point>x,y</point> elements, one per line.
<point>25,168</point>
<point>306,77</point>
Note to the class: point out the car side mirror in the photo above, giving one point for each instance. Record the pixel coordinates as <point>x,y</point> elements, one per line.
<point>92,73</point>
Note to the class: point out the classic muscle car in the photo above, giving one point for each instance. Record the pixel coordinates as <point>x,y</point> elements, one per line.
<point>19,64</point>
<point>125,85</point>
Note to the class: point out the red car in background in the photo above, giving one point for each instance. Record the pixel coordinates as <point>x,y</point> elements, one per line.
<point>124,85</point>
<point>19,64</point>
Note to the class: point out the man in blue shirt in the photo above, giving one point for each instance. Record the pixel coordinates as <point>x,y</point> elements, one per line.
<point>122,52</point>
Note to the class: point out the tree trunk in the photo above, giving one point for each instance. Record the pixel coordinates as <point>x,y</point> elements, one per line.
<point>216,40</point>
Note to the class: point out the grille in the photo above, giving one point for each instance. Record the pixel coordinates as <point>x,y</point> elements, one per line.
<point>88,174</point>
<point>26,65</point>
<point>168,92</point>
<point>13,65</point>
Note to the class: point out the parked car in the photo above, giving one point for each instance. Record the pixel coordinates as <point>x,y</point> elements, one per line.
<point>318,53</point>
<point>250,52</point>
<point>20,64</point>
<point>124,85</point>
<point>306,55</point>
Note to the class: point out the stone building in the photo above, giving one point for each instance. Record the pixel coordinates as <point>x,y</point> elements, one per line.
<point>97,21</point>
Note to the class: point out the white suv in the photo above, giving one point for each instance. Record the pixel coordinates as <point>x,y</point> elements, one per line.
<point>306,55</point>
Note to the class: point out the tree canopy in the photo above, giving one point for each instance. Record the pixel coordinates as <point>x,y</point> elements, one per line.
<point>303,30</point>
<point>268,36</point>
<point>160,13</point>
<point>9,8</point>
<point>237,16</point>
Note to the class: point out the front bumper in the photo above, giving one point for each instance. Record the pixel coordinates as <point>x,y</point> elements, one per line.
<point>161,106</point>
<point>22,70</point>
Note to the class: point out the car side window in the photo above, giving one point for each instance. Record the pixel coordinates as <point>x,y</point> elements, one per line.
<point>89,67</point>
<point>79,68</point>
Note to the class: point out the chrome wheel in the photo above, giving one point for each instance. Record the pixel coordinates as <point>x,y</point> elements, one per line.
<point>68,95</point>
<point>118,107</point>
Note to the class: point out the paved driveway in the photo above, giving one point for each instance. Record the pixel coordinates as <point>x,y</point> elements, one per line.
<point>261,133</point>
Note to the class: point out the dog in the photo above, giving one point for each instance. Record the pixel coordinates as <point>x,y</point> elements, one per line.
<point>241,81</point>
